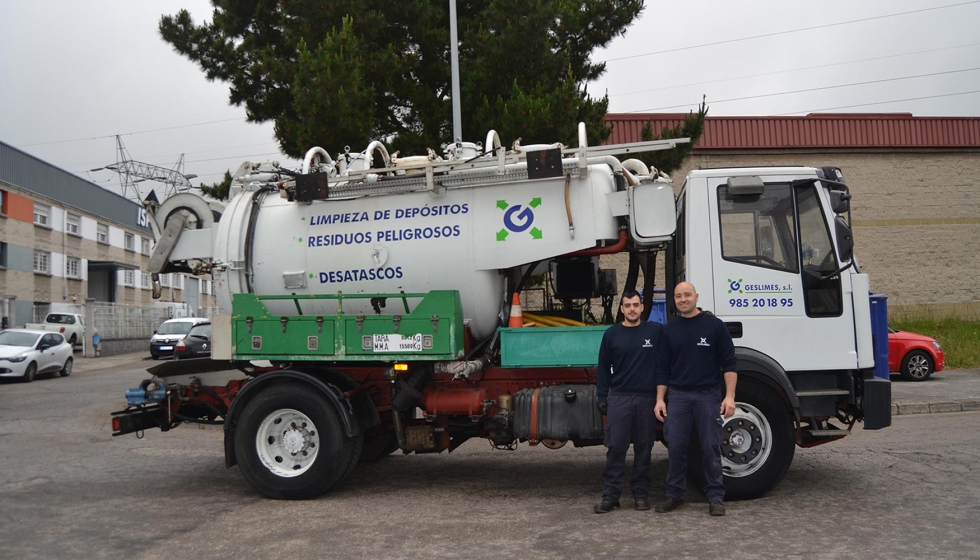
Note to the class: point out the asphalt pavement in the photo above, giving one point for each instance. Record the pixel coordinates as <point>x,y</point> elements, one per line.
<point>955,390</point>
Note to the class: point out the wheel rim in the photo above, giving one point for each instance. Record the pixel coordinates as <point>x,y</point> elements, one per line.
<point>287,442</point>
<point>68,366</point>
<point>918,366</point>
<point>746,441</point>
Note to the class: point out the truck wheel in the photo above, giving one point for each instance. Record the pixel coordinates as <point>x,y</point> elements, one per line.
<point>66,371</point>
<point>30,373</point>
<point>290,444</point>
<point>916,366</point>
<point>757,444</point>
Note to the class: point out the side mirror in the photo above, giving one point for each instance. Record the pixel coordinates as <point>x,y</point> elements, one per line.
<point>840,201</point>
<point>845,239</point>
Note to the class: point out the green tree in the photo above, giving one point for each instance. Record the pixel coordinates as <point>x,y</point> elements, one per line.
<point>668,160</point>
<point>343,72</point>
<point>219,190</point>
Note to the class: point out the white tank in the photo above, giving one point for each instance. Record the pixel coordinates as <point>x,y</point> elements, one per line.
<point>412,242</point>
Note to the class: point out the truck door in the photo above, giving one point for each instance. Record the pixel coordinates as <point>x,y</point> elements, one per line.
<point>773,285</point>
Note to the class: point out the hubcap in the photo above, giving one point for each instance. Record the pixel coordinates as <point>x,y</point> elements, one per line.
<point>918,366</point>
<point>287,442</point>
<point>746,441</point>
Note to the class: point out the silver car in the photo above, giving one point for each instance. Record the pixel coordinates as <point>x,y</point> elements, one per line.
<point>25,353</point>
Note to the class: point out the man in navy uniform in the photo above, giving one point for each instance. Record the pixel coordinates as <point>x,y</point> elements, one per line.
<point>696,366</point>
<point>627,392</point>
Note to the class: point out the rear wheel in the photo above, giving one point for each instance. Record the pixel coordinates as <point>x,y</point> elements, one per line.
<point>290,444</point>
<point>757,443</point>
<point>66,370</point>
<point>917,366</point>
<point>73,341</point>
<point>31,372</point>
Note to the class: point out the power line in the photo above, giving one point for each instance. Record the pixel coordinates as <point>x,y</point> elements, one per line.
<point>794,70</point>
<point>823,88</point>
<point>776,33</point>
<point>136,132</point>
<point>880,102</point>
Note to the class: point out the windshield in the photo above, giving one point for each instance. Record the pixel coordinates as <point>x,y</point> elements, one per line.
<point>14,338</point>
<point>177,327</point>
<point>61,318</point>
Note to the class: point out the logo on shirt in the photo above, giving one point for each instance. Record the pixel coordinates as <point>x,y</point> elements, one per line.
<point>646,343</point>
<point>704,342</point>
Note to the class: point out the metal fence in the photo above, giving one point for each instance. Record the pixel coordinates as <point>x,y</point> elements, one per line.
<point>115,321</point>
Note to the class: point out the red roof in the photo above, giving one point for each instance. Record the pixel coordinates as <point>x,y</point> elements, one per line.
<point>822,130</point>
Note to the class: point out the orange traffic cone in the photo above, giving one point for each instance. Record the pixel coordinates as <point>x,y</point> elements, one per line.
<point>516,318</point>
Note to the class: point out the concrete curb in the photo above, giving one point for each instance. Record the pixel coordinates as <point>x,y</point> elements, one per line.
<point>964,405</point>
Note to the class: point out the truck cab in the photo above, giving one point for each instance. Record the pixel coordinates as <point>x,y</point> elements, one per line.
<point>770,252</point>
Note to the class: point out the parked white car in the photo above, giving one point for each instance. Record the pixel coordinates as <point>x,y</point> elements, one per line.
<point>26,353</point>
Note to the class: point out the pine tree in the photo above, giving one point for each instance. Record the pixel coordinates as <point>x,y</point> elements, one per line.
<point>343,72</point>
<point>218,191</point>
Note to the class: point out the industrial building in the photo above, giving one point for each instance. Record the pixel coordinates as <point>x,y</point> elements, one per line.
<point>65,241</point>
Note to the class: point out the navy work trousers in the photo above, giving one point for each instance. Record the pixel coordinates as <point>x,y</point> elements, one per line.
<point>687,410</point>
<point>628,418</point>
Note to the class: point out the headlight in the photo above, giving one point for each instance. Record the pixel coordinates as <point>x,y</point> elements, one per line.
<point>19,358</point>
<point>936,344</point>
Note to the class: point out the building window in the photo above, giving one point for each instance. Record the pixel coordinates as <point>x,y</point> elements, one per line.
<point>204,286</point>
<point>3,255</point>
<point>179,281</point>
<point>72,266</point>
<point>102,233</point>
<point>129,278</point>
<point>130,242</point>
<point>73,224</point>
<point>165,279</point>
<point>144,246</point>
<point>42,215</point>
<point>42,262</point>
<point>145,280</point>
<point>3,202</point>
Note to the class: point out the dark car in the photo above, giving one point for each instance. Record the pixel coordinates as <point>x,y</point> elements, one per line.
<point>914,356</point>
<point>196,344</point>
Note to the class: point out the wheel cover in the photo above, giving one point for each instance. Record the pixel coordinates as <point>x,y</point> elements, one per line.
<point>287,442</point>
<point>918,366</point>
<point>68,365</point>
<point>746,440</point>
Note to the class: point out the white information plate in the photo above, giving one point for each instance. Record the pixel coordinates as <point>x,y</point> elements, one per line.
<point>166,348</point>
<point>397,343</point>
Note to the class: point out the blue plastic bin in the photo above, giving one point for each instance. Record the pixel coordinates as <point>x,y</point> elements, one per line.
<point>879,333</point>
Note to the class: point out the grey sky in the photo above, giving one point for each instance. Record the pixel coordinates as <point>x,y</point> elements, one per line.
<point>76,73</point>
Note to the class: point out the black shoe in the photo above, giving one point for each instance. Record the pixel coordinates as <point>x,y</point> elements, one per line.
<point>716,509</point>
<point>670,504</point>
<point>605,507</point>
<point>642,504</point>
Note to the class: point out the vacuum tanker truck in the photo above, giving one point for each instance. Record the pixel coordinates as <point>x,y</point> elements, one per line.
<point>364,303</point>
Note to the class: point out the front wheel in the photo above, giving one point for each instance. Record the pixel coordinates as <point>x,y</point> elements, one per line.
<point>757,443</point>
<point>30,373</point>
<point>916,366</point>
<point>290,444</point>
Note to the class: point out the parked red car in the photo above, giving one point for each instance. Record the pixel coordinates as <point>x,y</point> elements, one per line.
<point>914,356</point>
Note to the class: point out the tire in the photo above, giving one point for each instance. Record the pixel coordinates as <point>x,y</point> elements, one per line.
<point>66,371</point>
<point>751,468</point>
<point>73,341</point>
<point>30,373</point>
<point>917,366</point>
<point>154,356</point>
<point>309,457</point>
